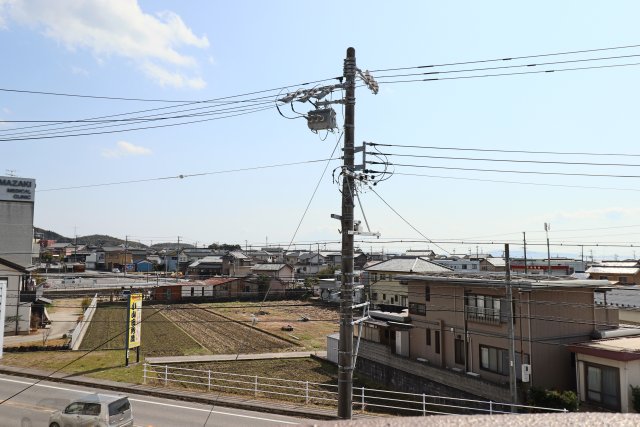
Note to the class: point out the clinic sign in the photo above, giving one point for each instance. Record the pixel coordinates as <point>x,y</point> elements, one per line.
<point>14,189</point>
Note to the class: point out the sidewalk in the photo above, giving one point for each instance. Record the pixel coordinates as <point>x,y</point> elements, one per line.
<point>237,402</point>
<point>231,357</point>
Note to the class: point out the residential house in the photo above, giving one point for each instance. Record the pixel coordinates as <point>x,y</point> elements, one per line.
<point>236,263</point>
<point>283,272</point>
<point>422,253</point>
<point>458,264</point>
<point>460,324</point>
<point>607,368</point>
<point>309,264</point>
<point>203,268</point>
<point>145,266</point>
<point>623,272</point>
<point>16,281</point>
<point>115,257</point>
<point>188,256</point>
<point>332,258</point>
<point>388,293</point>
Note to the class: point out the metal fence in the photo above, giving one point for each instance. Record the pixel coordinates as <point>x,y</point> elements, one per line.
<point>312,393</point>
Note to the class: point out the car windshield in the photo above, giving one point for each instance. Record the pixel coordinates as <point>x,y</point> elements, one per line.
<point>119,406</point>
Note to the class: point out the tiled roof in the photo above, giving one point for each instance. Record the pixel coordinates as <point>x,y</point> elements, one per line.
<point>268,267</point>
<point>408,265</point>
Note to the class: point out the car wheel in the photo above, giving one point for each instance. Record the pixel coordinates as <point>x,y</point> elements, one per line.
<point>54,425</point>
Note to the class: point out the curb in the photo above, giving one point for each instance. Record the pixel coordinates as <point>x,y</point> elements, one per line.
<point>223,401</point>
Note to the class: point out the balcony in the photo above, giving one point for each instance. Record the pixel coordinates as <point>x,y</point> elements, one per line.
<point>482,315</point>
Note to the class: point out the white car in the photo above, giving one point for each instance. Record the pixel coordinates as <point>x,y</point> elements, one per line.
<point>95,410</point>
<point>115,270</point>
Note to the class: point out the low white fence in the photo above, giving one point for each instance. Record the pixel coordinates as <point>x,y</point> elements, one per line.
<point>81,328</point>
<point>311,393</point>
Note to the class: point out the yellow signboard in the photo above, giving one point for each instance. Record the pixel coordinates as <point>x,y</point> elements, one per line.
<point>134,320</point>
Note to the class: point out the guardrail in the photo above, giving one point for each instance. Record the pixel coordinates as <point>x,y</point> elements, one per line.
<point>312,393</point>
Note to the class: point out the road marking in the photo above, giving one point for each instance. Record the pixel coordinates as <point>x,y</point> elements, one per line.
<point>153,403</point>
<point>213,412</point>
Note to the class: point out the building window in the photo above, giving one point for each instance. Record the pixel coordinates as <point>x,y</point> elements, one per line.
<point>374,296</point>
<point>203,291</point>
<point>437,338</point>
<point>384,297</point>
<point>427,293</point>
<point>428,336</point>
<point>464,266</point>
<point>484,308</point>
<point>459,350</point>
<point>494,360</point>
<point>419,309</point>
<point>622,279</point>
<point>192,291</point>
<point>603,385</point>
<point>603,278</point>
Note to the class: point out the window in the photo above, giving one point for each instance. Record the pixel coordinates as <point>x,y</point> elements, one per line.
<point>622,279</point>
<point>603,385</point>
<point>396,298</point>
<point>374,296</point>
<point>203,291</point>
<point>464,266</point>
<point>494,360</point>
<point>427,293</point>
<point>484,308</point>
<point>603,278</point>
<point>419,309</point>
<point>459,350</point>
<point>437,338</point>
<point>428,336</point>
<point>92,409</point>
<point>384,297</point>
<point>192,291</point>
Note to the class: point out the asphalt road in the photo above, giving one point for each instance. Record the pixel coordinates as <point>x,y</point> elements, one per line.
<point>32,408</point>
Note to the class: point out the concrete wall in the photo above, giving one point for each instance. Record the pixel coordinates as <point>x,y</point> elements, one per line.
<point>16,229</point>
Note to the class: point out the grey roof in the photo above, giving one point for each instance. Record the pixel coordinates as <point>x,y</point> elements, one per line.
<point>307,255</point>
<point>238,255</point>
<point>408,265</point>
<point>268,267</point>
<point>496,262</point>
<point>617,264</point>
<point>207,260</point>
<point>478,280</point>
<point>613,270</point>
<point>59,245</point>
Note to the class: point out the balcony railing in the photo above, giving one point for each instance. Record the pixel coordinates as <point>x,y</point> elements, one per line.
<point>481,314</point>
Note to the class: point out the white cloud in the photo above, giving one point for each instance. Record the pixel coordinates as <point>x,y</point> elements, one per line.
<point>115,28</point>
<point>124,148</point>
<point>79,71</point>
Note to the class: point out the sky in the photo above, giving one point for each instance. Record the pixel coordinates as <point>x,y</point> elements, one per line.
<point>155,51</point>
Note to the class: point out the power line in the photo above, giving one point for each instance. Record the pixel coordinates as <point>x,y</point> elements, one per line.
<point>138,128</point>
<point>477,76</point>
<point>513,58</point>
<point>182,176</point>
<point>119,98</point>
<point>504,171</point>
<point>517,182</point>
<point>495,150</point>
<point>468,70</point>
<point>545,162</point>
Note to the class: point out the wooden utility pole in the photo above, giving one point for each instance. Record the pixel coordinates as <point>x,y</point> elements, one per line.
<point>345,344</point>
<point>524,238</point>
<point>512,342</point>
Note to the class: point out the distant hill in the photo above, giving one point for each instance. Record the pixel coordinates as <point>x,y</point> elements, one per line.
<point>170,245</point>
<point>92,240</point>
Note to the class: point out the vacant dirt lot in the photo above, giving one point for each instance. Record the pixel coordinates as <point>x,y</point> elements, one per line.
<point>311,322</point>
<point>221,335</point>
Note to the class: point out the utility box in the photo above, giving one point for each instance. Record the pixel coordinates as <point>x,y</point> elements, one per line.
<point>323,119</point>
<point>526,372</point>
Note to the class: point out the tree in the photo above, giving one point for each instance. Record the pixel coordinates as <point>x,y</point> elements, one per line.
<point>225,247</point>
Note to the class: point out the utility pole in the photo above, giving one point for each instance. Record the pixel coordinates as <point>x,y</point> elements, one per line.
<point>547,227</point>
<point>524,238</point>
<point>512,342</point>
<point>126,245</point>
<point>345,344</point>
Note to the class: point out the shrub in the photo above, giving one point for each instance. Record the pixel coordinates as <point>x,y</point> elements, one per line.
<point>86,302</point>
<point>553,399</point>
<point>635,394</point>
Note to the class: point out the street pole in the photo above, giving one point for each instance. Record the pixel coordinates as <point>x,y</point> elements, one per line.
<point>524,238</point>
<point>345,345</point>
<point>512,342</point>
<point>547,227</point>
